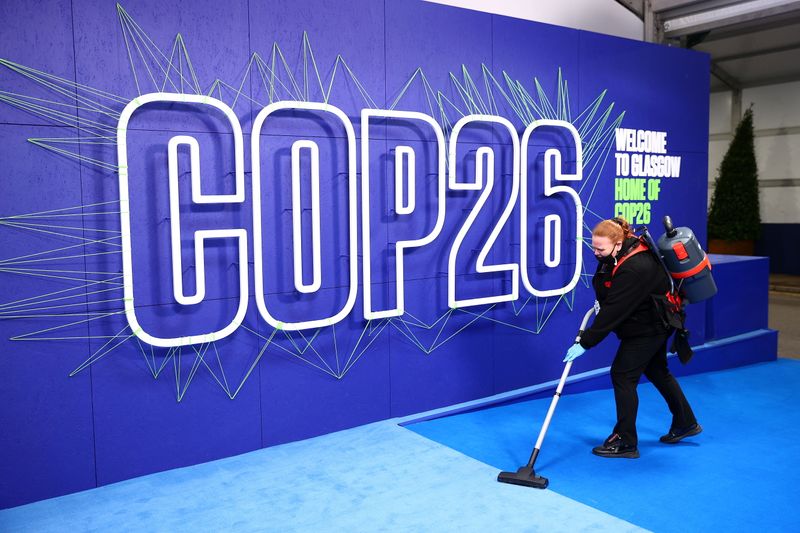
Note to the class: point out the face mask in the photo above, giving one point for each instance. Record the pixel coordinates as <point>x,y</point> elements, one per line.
<point>608,259</point>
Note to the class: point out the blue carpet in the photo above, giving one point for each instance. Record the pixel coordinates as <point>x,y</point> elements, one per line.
<point>379,477</point>
<point>740,474</point>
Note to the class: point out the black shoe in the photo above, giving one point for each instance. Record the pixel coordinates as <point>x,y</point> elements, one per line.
<point>676,434</point>
<point>614,446</point>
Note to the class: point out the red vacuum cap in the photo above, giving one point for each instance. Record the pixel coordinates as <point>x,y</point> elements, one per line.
<point>680,251</point>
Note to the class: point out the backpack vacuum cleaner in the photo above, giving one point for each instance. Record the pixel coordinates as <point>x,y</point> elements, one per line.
<point>684,260</point>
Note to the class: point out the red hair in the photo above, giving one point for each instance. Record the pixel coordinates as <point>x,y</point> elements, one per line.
<point>616,229</point>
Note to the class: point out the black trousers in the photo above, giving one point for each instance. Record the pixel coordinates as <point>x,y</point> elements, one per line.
<point>648,356</point>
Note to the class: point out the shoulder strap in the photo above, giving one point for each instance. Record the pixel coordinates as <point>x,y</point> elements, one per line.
<point>639,248</point>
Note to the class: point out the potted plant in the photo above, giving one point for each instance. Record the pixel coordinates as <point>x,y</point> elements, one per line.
<point>734,218</point>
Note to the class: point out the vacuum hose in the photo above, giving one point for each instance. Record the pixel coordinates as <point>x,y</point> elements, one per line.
<point>669,228</point>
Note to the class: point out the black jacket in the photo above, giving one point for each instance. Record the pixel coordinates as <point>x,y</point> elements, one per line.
<point>626,304</point>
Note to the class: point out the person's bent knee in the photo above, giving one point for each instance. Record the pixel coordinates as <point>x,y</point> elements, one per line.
<point>660,375</point>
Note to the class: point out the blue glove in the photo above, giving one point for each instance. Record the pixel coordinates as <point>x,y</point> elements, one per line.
<point>575,351</point>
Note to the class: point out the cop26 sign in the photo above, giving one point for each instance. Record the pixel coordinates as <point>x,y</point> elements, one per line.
<point>445,177</point>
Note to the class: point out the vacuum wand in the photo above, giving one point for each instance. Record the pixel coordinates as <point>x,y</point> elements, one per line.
<point>526,475</point>
<point>549,416</point>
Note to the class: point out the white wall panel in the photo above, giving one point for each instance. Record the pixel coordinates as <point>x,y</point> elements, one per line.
<point>774,106</point>
<point>602,16</point>
<point>780,205</point>
<point>720,113</point>
<point>778,157</point>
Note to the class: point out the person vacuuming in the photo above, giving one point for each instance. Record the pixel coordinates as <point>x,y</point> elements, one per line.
<point>628,284</point>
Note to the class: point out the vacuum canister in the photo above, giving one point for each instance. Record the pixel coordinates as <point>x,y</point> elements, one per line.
<point>687,263</point>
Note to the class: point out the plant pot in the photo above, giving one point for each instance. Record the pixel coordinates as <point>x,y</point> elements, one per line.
<point>720,246</point>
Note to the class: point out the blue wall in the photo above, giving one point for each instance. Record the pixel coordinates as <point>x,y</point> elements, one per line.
<point>776,242</point>
<point>129,410</point>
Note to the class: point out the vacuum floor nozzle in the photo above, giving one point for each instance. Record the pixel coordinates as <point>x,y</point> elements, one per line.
<point>525,476</point>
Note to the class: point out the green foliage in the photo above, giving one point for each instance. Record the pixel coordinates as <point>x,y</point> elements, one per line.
<point>734,213</point>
